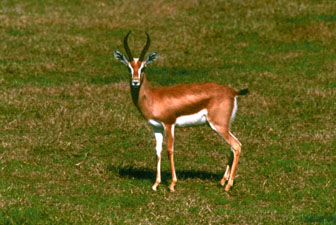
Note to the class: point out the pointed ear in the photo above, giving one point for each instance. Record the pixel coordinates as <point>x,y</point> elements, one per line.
<point>120,57</point>
<point>152,57</point>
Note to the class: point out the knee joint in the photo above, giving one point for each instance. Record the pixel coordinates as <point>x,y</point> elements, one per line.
<point>236,149</point>
<point>170,151</point>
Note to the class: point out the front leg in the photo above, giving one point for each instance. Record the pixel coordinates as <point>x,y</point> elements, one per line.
<point>159,139</point>
<point>170,148</point>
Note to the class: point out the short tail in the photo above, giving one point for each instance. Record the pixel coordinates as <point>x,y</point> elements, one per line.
<point>243,92</point>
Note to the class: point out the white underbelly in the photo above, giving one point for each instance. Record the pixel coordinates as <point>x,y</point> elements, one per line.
<point>186,120</point>
<point>193,119</point>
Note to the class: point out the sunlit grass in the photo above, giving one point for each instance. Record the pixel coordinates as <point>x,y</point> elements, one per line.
<point>74,150</point>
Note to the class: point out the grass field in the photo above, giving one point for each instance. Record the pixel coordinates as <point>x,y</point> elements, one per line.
<point>74,149</point>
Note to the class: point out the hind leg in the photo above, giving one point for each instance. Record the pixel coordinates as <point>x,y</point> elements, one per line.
<point>235,148</point>
<point>227,171</point>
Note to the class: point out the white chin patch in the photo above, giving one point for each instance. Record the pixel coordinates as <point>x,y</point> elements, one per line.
<point>193,119</point>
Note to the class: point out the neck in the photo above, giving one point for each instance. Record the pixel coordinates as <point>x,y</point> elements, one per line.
<point>139,93</point>
<point>135,94</point>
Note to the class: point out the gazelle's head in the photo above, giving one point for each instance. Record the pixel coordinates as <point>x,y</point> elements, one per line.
<point>136,65</point>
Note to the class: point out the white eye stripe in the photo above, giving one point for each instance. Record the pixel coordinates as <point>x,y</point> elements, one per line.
<point>131,68</point>
<point>140,69</point>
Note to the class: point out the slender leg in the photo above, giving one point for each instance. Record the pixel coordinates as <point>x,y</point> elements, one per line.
<point>227,171</point>
<point>225,176</point>
<point>235,148</point>
<point>159,139</point>
<point>170,148</point>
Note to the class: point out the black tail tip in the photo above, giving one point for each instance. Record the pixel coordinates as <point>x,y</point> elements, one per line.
<point>243,92</point>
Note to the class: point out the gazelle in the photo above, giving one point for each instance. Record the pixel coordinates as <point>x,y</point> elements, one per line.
<point>181,105</point>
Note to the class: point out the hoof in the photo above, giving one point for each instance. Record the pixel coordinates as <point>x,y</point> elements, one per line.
<point>222,182</point>
<point>229,185</point>
<point>172,187</point>
<point>154,187</point>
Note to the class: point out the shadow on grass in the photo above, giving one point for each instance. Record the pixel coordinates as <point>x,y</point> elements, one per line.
<point>150,174</point>
<point>322,218</point>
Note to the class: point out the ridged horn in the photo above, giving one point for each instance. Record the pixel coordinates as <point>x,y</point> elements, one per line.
<point>145,49</point>
<point>128,51</point>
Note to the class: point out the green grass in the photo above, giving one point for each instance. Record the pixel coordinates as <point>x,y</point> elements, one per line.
<point>74,149</point>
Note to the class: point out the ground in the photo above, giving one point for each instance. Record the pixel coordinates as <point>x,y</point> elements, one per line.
<point>74,149</point>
